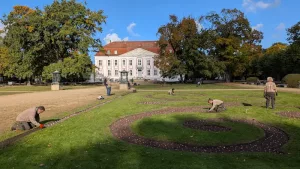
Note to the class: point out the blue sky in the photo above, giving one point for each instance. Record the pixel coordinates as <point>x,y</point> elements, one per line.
<point>140,19</point>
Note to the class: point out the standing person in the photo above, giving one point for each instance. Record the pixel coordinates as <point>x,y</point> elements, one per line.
<point>217,105</point>
<point>108,87</point>
<point>269,92</point>
<point>105,82</point>
<point>28,119</point>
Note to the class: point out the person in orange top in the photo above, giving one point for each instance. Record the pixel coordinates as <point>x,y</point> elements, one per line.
<point>269,92</point>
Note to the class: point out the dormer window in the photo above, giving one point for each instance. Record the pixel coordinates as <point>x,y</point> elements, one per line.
<point>116,52</point>
<point>108,52</point>
<point>170,51</point>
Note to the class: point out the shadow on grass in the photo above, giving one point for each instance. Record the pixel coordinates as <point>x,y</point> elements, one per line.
<point>246,104</point>
<point>109,153</point>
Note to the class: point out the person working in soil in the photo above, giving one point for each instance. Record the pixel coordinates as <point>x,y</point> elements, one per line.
<point>217,105</point>
<point>28,119</point>
<point>269,92</point>
<point>171,91</point>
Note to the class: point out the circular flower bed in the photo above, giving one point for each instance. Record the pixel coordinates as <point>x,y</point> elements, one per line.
<point>272,141</point>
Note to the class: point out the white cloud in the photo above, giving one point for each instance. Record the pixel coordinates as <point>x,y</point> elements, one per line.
<point>253,5</point>
<point>114,37</point>
<point>258,26</point>
<point>280,27</point>
<point>130,29</point>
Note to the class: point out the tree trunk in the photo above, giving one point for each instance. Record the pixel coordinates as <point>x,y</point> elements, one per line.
<point>181,78</point>
<point>228,77</point>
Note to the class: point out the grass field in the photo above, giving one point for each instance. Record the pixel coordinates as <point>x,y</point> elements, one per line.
<point>85,141</point>
<point>37,88</point>
<point>185,86</point>
<point>10,93</point>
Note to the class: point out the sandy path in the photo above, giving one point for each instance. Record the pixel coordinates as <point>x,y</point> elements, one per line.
<point>55,102</point>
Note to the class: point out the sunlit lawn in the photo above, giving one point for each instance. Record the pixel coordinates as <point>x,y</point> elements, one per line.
<point>185,86</point>
<point>86,142</point>
<point>39,88</point>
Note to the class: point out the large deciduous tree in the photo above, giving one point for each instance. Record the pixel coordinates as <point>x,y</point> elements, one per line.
<point>183,50</point>
<point>37,38</point>
<point>74,69</point>
<point>234,40</point>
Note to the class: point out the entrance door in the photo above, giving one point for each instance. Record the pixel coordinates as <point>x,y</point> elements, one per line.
<point>140,75</point>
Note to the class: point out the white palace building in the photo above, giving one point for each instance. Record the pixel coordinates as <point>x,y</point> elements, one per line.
<point>136,57</point>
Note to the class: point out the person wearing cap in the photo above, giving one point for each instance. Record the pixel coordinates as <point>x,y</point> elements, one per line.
<point>217,105</point>
<point>269,92</point>
<point>28,119</point>
<point>171,91</point>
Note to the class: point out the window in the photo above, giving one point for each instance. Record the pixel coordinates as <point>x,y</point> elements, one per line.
<point>116,62</point>
<point>108,63</point>
<point>130,62</point>
<point>116,52</point>
<point>100,62</point>
<point>109,73</point>
<point>139,62</point>
<point>130,72</point>
<point>123,61</point>
<point>116,72</point>
<point>170,51</point>
<point>148,72</point>
<point>148,62</point>
<point>108,52</point>
<point>155,72</point>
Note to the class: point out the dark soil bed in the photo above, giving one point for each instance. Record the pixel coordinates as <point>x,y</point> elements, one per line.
<point>273,140</point>
<point>205,125</point>
<point>290,114</point>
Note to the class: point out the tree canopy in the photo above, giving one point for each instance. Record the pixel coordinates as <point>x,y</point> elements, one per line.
<point>36,38</point>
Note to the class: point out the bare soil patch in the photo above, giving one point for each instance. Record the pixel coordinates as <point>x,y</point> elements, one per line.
<point>55,102</point>
<point>290,114</point>
<point>205,125</point>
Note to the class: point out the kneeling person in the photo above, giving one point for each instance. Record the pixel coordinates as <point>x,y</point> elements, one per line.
<point>28,119</point>
<point>171,92</point>
<point>217,105</point>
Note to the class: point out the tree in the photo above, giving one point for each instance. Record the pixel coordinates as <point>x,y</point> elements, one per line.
<point>74,68</point>
<point>294,34</point>
<point>234,39</point>
<point>36,38</point>
<point>4,59</point>
<point>183,50</point>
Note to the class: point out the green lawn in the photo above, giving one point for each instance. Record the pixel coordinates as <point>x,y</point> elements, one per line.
<point>185,86</point>
<point>39,88</point>
<point>10,93</point>
<point>85,141</point>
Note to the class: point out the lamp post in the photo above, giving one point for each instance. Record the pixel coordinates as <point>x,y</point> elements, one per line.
<point>124,80</point>
<point>55,85</point>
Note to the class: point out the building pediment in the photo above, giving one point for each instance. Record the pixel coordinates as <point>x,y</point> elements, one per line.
<point>139,52</point>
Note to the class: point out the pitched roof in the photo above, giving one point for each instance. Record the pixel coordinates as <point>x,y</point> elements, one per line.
<point>126,46</point>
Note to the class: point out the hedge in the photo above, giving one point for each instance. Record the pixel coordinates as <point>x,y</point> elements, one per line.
<point>252,79</point>
<point>292,80</point>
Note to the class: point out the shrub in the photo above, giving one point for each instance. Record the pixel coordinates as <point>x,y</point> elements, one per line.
<point>252,79</point>
<point>292,80</point>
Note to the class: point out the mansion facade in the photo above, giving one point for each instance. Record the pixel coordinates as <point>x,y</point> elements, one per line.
<point>136,57</point>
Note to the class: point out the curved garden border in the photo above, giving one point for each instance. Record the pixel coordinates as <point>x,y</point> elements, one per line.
<point>273,140</point>
<point>295,115</point>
